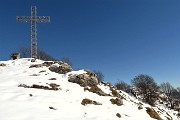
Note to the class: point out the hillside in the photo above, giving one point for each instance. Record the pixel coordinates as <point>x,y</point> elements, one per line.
<point>32,92</point>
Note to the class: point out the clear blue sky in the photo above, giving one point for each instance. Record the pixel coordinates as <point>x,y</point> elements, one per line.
<point>120,38</point>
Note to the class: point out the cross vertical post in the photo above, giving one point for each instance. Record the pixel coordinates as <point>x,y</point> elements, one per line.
<point>33,32</point>
<point>33,19</point>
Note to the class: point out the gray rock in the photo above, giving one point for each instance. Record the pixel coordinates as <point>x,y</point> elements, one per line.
<point>86,79</point>
<point>60,68</point>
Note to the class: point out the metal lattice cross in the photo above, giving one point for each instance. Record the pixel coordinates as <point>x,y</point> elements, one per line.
<point>33,19</point>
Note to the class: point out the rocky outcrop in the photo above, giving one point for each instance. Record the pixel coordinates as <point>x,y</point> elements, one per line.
<point>60,68</point>
<point>55,66</point>
<point>86,79</point>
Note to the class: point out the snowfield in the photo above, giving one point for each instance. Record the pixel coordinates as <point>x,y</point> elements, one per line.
<point>19,103</point>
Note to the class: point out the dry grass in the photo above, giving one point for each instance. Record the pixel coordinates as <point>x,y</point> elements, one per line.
<point>153,114</point>
<point>97,90</point>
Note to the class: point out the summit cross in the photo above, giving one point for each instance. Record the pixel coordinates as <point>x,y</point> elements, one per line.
<point>33,19</point>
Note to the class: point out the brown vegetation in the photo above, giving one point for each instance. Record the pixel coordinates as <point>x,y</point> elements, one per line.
<point>97,90</point>
<point>88,101</point>
<point>152,113</point>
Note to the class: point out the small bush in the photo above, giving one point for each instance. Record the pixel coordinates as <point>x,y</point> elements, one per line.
<point>122,86</point>
<point>152,113</point>
<point>88,101</point>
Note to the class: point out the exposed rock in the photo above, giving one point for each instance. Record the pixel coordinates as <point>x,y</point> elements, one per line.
<point>60,68</point>
<point>118,115</point>
<point>2,64</point>
<point>52,79</point>
<point>140,107</point>
<point>52,108</point>
<point>88,101</point>
<point>55,66</point>
<point>117,101</point>
<point>36,66</point>
<point>53,86</point>
<point>86,79</point>
<point>42,71</point>
<point>115,93</point>
<point>48,63</point>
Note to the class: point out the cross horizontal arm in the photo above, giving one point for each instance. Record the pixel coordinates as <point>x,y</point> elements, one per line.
<point>35,19</point>
<point>23,18</point>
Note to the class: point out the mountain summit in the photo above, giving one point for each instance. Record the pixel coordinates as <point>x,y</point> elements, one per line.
<point>48,90</point>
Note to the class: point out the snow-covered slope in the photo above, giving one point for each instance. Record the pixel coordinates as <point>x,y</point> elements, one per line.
<point>19,103</point>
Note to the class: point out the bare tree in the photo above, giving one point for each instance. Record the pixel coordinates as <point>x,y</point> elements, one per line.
<point>24,52</point>
<point>122,86</point>
<point>146,87</point>
<point>167,88</point>
<point>44,56</point>
<point>100,75</point>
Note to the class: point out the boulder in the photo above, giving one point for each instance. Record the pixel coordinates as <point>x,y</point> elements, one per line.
<point>86,79</point>
<point>117,101</point>
<point>60,68</point>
